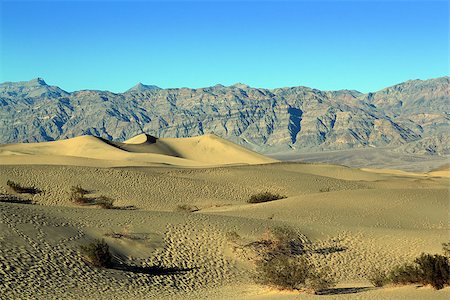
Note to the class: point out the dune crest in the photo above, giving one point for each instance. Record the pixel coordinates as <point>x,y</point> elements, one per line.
<point>142,150</point>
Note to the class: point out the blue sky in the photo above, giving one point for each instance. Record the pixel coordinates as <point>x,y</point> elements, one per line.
<point>330,45</point>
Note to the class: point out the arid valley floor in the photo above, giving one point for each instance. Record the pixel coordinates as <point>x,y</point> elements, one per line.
<point>356,220</point>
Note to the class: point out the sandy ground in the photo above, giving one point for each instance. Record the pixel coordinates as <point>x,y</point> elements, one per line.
<point>365,218</point>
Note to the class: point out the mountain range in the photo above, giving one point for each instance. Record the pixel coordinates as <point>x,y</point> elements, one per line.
<point>410,117</point>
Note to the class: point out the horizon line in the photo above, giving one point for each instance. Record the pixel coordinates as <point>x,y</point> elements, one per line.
<point>219,84</point>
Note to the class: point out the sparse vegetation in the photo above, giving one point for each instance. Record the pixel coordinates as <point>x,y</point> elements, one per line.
<point>97,254</point>
<point>320,280</point>
<point>426,269</point>
<point>264,197</point>
<point>434,270</point>
<point>186,208</point>
<point>104,202</point>
<point>292,272</point>
<point>378,277</point>
<point>16,187</point>
<point>446,248</point>
<point>284,263</point>
<point>78,196</point>
<point>232,236</point>
<point>282,271</point>
<point>283,239</point>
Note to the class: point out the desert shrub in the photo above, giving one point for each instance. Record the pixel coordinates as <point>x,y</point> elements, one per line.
<point>405,274</point>
<point>446,248</point>
<point>282,271</point>
<point>186,208</point>
<point>434,270</point>
<point>77,195</point>
<point>97,254</point>
<point>378,277</point>
<point>16,187</point>
<point>319,280</point>
<point>283,262</point>
<point>104,202</point>
<point>427,269</point>
<point>283,239</point>
<point>232,236</point>
<point>287,272</point>
<point>76,189</point>
<point>264,197</point>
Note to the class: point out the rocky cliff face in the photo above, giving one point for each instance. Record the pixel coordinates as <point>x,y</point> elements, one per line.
<point>414,115</point>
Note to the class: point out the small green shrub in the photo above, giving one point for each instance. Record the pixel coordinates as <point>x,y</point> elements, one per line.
<point>378,278</point>
<point>186,208</point>
<point>97,254</point>
<point>287,272</point>
<point>427,269</point>
<point>283,262</point>
<point>16,187</point>
<point>282,272</point>
<point>405,274</point>
<point>434,270</point>
<point>264,197</point>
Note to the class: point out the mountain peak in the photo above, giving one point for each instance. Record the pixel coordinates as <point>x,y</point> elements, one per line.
<point>37,81</point>
<point>240,85</point>
<point>140,87</point>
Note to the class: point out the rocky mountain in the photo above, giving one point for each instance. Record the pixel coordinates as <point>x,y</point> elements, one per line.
<point>413,116</point>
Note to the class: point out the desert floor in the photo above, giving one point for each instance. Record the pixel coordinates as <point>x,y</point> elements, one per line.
<point>359,219</point>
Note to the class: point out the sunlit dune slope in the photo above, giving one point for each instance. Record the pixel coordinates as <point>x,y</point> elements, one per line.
<point>144,150</point>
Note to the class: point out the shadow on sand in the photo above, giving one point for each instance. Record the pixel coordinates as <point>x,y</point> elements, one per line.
<point>154,270</point>
<point>345,291</point>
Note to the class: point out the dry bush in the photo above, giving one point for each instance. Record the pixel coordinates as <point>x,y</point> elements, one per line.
<point>97,254</point>
<point>283,239</point>
<point>282,271</point>
<point>283,262</point>
<point>186,208</point>
<point>378,277</point>
<point>405,274</point>
<point>426,269</point>
<point>288,272</point>
<point>434,270</point>
<point>232,237</point>
<point>320,280</point>
<point>446,248</point>
<point>77,195</point>
<point>16,187</point>
<point>264,197</point>
<point>104,202</point>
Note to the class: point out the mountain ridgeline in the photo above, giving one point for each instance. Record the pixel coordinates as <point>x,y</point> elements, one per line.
<point>413,116</point>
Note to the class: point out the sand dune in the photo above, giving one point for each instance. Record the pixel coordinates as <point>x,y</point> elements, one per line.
<point>373,218</point>
<point>207,150</point>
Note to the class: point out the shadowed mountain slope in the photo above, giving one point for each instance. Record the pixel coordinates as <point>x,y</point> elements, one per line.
<point>413,114</point>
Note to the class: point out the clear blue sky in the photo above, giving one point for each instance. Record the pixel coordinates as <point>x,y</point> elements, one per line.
<point>363,45</point>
